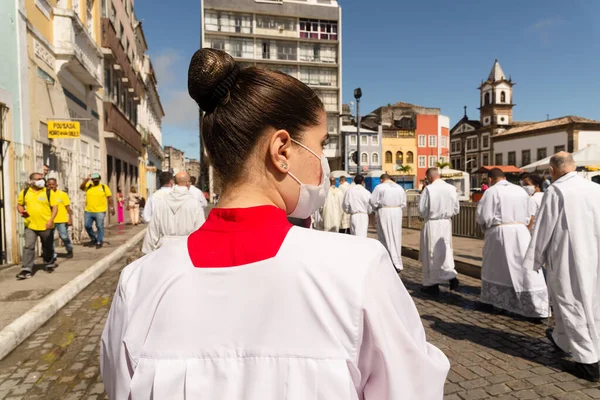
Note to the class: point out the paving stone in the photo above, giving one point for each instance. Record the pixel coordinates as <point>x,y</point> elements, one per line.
<point>547,390</point>
<point>474,394</point>
<point>594,393</point>
<point>525,394</point>
<point>495,390</point>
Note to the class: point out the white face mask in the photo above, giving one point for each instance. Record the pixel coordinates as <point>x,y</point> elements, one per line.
<point>311,197</point>
<point>530,189</point>
<point>40,183</point>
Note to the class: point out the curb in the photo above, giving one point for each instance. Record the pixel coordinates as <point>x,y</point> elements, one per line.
<point>20,329</point>
<point>472,270</point>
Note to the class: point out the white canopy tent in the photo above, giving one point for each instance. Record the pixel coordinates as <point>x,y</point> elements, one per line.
<point>589,155</point>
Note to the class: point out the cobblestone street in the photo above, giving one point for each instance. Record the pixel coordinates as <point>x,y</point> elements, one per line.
<point>492,355</point>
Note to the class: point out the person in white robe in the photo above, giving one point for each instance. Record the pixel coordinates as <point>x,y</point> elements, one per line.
<point>250,307</point>
<point>438,203</point>
<point>356,204</point>
<point>332,210</point>
<point>165,180</point>
<point>566,239</point>
<point>197,193</point>
<point>345,224</point>
<point>176,215</point>
<point>503,216</point>
<point>533,185</point>
<point>388,200</point>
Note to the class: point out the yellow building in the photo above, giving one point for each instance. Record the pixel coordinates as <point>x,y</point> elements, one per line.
<point>399,149</point>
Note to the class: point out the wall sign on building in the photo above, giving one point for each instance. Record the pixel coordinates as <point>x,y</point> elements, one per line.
<point>64,130</point>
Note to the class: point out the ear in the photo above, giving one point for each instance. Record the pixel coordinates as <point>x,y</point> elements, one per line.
<point>280,147</point>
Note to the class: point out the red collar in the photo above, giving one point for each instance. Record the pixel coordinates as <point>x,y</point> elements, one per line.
<point>238,236</point>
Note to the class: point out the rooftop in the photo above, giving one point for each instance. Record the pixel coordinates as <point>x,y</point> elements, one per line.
<point>522,127</point>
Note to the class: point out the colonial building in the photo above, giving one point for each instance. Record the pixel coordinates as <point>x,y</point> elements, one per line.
<point>412,136</point>
<point>300,38</point>
<point>174,160</point>
<point>370,149</point>
<point>496,139</point>
<point>193,167</point>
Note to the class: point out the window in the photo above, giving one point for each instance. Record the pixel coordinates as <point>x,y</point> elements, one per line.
<point>227,22</point>
<point>422,141</point>
<point>315,29</point>
<point>217,44</point>
<point>456,164</point>
<point>485,159</point>
<point>485,141</point>
<point>558,149</point>
<point>399,157</point>
<point>352,157</point>
<point>432,161</point>
<point>410,157</point>
<point>471,143</point>
<point>353,140</point>
<point>487,98</point>
<point>318,76</point>
<point>388,157</point>
<point>275,23</point>
<point>445,142</point>
<point>329,99</point>
<point>503,97</point>
<point>364,140</point>
<point>432,141</point>
<point>375,140</point>
<point>472,163</point>
<point>512,158</point>
<point>287,51</point>
<point>364,158</point>
<point>422,162</point>
<point>375,158</point>
<point>318,52</point>
<point>526,157</point>
<point>541,153</point>
<point>455,146</point>
<point>120,33</point>
<point>498,160</point>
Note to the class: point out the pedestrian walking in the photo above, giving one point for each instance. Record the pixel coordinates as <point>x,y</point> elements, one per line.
<point>533,185</point>
<point>503,214</point>
<point>38,207</point>
<point>120,206</point>
<point>566,239</point>
<point>345,224</point>
<point>98,198</point>
<point>332,209</point>
<point>165,179</point>
<point>133,205</point>
<point>438,203</point>
<point>356,205</point>
<point>250,306</point>
<point>175,216</point>
<point>388,200</point>
<point>64,217</point>
<point>197,193</point>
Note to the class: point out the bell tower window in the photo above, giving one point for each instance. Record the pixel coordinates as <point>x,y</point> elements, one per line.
<point>503,97</point>
<point>487,98</point>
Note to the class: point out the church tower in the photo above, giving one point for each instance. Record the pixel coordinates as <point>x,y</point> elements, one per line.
<point>496,95</point>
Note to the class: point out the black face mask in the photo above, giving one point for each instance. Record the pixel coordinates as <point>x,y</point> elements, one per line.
<point>96,183</point>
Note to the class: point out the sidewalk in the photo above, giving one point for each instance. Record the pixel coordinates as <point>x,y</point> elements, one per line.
<point>467,252</point>
<point>18,297</point>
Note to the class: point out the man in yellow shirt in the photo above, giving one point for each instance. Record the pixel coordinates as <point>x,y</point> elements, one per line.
<point>64,217</point>
<point>38,207</point>
<point>97,197</point>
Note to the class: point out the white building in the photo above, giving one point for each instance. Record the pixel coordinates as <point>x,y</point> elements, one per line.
<point>299,37</point>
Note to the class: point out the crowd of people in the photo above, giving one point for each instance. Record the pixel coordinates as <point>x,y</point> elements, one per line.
<point>248,305</point>
<point>46,209</point>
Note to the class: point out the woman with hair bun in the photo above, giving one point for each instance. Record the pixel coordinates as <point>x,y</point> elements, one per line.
<point>249,306</point>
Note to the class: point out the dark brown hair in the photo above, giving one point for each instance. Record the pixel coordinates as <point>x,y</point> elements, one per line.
<point>240,104</point>
<point>496,173</point>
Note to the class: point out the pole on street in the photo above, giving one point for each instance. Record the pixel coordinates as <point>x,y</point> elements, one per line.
<point>357,96</point>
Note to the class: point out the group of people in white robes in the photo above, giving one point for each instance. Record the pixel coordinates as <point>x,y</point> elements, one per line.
<point>527,230</point>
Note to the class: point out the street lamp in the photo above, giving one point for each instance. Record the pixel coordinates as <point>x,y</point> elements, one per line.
<point>357,96</point>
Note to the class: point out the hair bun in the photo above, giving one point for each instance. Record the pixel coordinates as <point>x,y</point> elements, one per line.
<point>211,75</point>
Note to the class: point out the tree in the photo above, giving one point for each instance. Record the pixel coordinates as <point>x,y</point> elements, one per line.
<point>405,169</point>
<point>442,165</point>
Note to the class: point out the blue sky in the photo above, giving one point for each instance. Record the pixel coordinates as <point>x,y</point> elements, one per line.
<point>432,53</point>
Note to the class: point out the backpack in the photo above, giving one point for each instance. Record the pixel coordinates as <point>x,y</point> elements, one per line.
<point>48,191</point>
<point>91,186</point>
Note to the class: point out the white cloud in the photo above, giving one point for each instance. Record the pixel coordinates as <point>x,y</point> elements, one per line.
<point>164,64</point>
<point>544,28</point>
<point>180,110</point>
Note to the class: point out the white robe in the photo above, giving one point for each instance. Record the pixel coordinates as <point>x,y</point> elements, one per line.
<point>149,208</point>
<point>175,216</point>
<point>535,202</point>
<point>388,199</point>
<point>345,224</point>
<point>198,195</point>
<point>309,323</point>
<point>503,213</point>
<point>356,204</point>
<point>567,240</point>
<point>437,205</point>
<point>332,210</point>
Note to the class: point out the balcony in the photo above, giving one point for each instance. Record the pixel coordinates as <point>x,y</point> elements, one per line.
<point>75,48</point>
<point>120,127</point>
<point>119,57</point>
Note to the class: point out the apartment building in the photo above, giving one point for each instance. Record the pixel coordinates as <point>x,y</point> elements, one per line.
<point>299,37</point>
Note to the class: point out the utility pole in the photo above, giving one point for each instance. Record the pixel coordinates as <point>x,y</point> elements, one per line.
<point>357,96</point>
